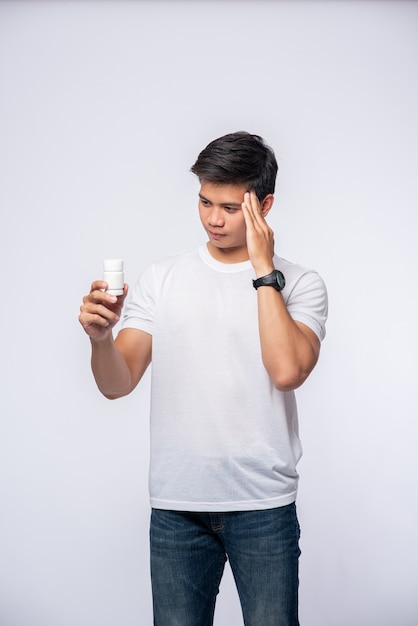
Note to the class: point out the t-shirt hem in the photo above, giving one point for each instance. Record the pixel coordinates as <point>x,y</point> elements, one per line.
<point>222,507</point>
<point>312,324</point>
<point>137,325</point>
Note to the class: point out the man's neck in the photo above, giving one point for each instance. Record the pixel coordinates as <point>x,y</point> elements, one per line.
<point>228,255</point>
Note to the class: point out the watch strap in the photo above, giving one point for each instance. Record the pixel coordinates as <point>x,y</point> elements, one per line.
<point>274,279</point>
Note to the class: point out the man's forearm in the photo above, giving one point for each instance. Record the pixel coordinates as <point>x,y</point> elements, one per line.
<point>110,369</point>
<point>289,353</point>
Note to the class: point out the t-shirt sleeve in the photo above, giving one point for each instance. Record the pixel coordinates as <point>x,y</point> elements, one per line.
<point>140,307</point>
<point>308,302</point>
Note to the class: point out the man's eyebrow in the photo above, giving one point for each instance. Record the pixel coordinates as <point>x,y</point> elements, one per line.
<point>237,204</point>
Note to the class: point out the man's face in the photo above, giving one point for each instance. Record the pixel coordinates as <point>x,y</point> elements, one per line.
<point>221,214</point>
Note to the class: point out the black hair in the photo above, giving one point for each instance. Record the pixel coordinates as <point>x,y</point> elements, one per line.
<point>237,159</point>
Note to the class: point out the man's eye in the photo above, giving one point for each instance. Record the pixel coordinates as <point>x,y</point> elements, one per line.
<point>230,209</point>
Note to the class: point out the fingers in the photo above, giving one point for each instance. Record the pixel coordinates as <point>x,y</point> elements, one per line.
<point>92,313</point>
<point>247,207</point>
<point>100,310</point>
<point>252,202</point>
<point>252,210</point>
<point>253,213</point>
<point>98,294</point>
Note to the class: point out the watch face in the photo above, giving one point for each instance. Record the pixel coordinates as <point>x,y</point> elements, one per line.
<point>274,279</point>
<point>280,280</point>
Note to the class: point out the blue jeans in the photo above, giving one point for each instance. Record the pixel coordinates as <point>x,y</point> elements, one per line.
<point>188,555</point>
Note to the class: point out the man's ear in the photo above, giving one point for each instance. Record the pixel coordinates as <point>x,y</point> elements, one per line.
<point>266,204</point>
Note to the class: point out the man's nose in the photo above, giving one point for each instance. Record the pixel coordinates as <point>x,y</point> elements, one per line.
<point>216,217</point>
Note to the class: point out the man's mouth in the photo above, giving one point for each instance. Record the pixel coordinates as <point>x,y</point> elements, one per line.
<point>213,235</point>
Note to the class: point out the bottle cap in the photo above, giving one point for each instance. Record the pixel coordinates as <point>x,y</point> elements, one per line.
<point>113,265</point>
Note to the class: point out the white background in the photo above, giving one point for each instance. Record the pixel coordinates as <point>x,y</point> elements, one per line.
<point>104,108</point>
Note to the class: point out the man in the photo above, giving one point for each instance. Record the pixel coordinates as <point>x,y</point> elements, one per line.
<point>232,330</point>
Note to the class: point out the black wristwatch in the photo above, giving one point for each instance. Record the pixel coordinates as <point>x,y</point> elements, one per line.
<point>275,279</point>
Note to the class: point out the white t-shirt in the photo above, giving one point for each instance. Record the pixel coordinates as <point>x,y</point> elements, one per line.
<point>223,438</point>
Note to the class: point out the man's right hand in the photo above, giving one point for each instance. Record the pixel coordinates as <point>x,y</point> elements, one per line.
<point>100,311</point>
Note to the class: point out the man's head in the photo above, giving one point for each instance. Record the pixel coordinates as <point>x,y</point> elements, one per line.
<point>238,159</point>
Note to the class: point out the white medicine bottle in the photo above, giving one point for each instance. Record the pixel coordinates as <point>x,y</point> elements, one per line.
<point>113,275</point>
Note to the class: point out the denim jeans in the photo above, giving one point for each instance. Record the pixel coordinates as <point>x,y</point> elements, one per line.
<point>188,555</point>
